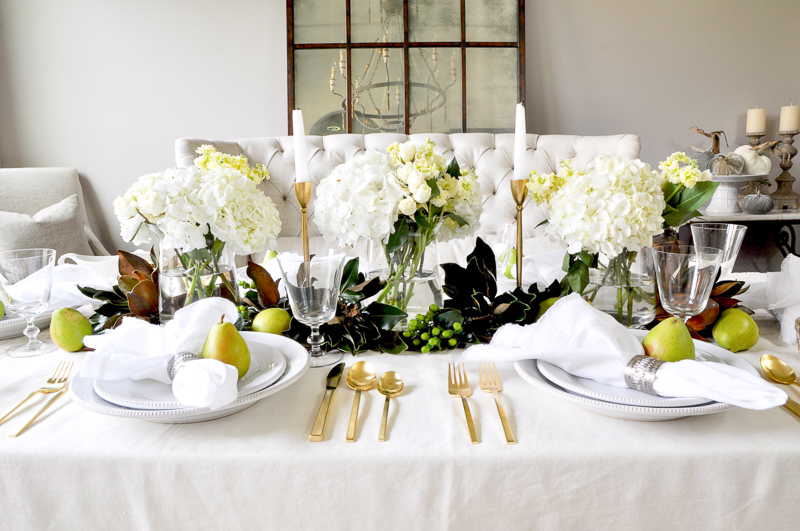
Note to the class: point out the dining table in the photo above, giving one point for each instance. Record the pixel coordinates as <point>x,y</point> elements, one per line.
<point>570,468</point>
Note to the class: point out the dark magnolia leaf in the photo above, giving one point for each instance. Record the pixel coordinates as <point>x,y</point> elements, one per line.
<point>126,283</point>
<point>726,302</point>
<point>399,237</point>
<point>140,275</point>
<point>140,305</point>
<point>118,292</point>
<point>349,274</point>
<point>109,296</point>
<point>384,316</point>
<point>727,289</point>
<point>154,258</point>
<point>368,288</point>
<point>501,308</point>
<point>148,290</point>
<point>108,309</point>
<point>421,220</point>
<point>392,344</point>
<point>129,262</point>
<point>453,168</point>
<point>89,292</point>
<point>266,288</point>
<point>448,318</point>
<point>456,280</point>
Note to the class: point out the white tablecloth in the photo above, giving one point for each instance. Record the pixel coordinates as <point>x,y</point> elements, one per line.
<point>571,469</point>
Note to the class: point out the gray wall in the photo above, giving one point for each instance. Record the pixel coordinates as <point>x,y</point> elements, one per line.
<point>107,86</point>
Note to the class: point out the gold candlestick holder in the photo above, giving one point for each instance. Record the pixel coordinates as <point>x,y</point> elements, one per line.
<point>755,138</point>
<point>303,193</point>
<point>784,197</point>
<point>519,191</point>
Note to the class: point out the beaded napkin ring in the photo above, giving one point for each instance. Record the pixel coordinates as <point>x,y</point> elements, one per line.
<point>640,373</point>
<point>177,361</point>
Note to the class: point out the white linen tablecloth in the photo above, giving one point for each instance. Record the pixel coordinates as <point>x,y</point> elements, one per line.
<point>571,469</point>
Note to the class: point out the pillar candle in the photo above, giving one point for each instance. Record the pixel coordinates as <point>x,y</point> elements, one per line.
<point>520,145</point>
<point>756,121</point>
<point>790,118</point>
<point>300,151</point>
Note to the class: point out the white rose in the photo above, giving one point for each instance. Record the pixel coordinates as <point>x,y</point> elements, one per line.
<point>408,206</point>
<point>407,151</point>
<point>422,193</point>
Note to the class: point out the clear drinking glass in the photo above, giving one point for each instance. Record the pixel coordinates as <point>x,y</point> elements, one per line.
<point>685,276</point>
<point>313,290</point>
<point>727,237</point>
<point>26,277</point>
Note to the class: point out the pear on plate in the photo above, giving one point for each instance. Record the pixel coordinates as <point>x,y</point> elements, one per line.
<point>226,344</point>
<point>669,340</point>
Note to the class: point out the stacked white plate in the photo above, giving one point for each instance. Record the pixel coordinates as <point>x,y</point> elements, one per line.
<point>275,363</point>
<point>623,403</point>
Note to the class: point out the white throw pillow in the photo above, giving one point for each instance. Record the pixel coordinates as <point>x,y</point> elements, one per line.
<point>56,227</point>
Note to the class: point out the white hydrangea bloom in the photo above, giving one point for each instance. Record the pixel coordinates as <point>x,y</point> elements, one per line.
<point>615,204</point>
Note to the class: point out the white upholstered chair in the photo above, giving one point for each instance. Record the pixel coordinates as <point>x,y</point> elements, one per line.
<point>491,155</point>
<point>28,191</point>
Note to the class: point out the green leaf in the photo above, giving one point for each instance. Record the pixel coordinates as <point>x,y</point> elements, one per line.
<point>349,274</point>
<point>421,220</point>
<point>384,316</point>
<point>435,192</point>
<point>455,217</point>
<point>453,168</point>
<point>578,276</point>
<point>399,237</point>
<point>684,204</point>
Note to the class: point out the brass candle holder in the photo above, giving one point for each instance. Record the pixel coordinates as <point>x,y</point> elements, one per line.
<point>519,191</point>
<point>784,197</point>
<point>303,193</point>
<point>755,138</point>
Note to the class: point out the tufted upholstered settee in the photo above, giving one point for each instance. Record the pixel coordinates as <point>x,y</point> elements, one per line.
<point>491,155</point>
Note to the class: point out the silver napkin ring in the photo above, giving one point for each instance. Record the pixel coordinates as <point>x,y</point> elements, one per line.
<point>641,373</point>
<point>177,361</point>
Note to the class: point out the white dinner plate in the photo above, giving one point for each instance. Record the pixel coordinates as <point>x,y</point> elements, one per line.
<point>297,363</point>
<point>632,397</point>
<point>267,364</point>
<point>13,326</point>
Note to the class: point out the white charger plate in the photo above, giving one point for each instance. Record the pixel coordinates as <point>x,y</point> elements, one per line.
<point>631,397</point>
<point>267,364</point>
<point>297,363</point>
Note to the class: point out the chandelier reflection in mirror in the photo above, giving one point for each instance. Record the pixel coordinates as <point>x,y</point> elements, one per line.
<point>405,66</point>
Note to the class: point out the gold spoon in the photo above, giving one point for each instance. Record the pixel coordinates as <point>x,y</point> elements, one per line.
<point>778,370</point>
<point>390,385</point>
<point>360,377</point>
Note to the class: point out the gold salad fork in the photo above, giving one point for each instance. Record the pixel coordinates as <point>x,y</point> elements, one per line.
<point>55,384</point>
<point>458,385</point>
<point>490,383</point>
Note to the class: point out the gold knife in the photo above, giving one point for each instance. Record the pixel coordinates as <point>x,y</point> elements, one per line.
<point>52,401</point>
<point>318,431</point>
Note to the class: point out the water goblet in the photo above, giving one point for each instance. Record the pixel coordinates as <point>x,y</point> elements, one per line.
<point>727,237</point>
<point>313,290</point>
<point>26,277</point>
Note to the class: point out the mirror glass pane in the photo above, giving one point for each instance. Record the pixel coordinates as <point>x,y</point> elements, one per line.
<point>435,90</point>
<point>378,102</point>
<point>492,20</point>
<point>376,20</point>
<point>318,98</point>
<point>438,21</point>
<point>492,89</point>
<point>319,21</point>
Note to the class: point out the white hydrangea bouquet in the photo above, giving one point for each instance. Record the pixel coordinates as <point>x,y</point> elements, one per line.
<point>201,216</point>
<point>404,199</point>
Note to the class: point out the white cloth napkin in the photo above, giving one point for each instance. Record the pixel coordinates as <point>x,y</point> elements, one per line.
<point>139,350</point>
<point>783,296</point>
<point>64,290</point>
<point>586,342</point>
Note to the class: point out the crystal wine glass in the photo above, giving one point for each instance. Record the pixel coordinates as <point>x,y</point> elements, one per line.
<point>727,237</point>
<point>313,290</point>
<point>26,277</point>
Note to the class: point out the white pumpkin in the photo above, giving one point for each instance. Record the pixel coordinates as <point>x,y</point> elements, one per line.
<point>755,162</point>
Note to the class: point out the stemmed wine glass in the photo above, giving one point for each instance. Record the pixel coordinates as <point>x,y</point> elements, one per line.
<point>727,237</point>
<point>313,290</point>
<point>26,277</point>
<point>685,276</point>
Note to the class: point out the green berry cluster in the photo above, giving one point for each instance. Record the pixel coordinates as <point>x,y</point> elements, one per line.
<point>428,334</point>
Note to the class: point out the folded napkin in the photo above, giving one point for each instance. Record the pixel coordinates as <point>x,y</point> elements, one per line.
<point>64,291</point>
<point>783,296</point>
<point>586,342</point>
<point>540,268</point>
<point>138,350</point>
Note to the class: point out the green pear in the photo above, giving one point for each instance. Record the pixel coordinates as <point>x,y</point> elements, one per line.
<point>735,330</point>
<point>545,305</point>
<point>68,327</point>
<point>272,321</point>
<point>2,310</point>
<point>669,340</point>
<point>226,344</point>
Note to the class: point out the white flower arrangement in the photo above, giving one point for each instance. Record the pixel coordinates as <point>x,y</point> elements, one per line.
<point>678,168</point>
<point>612,205</point>
<point>217,198</point>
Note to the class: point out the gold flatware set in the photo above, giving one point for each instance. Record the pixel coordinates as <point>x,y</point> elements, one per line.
<point>57,383</point>
<point>489,381</point>
<point>361,377</point>
<point>781,372</point>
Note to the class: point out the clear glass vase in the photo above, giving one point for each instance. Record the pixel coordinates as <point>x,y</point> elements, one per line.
<point>625,288</point>
<point>184,278</point>
<point>411,273</point>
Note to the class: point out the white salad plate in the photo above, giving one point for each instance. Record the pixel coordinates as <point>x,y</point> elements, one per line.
<point>587,397</point>
<point>13,326</point>
<point>267,364</point>
<point>297,363</point>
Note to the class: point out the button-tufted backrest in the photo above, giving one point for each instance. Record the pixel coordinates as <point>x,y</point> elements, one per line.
<point>490,155</point>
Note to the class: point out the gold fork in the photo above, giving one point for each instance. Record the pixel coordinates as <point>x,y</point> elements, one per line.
<point>490,383</point>
<point>458,385</point>
<point>54,384</point>
<point>45,408</point>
